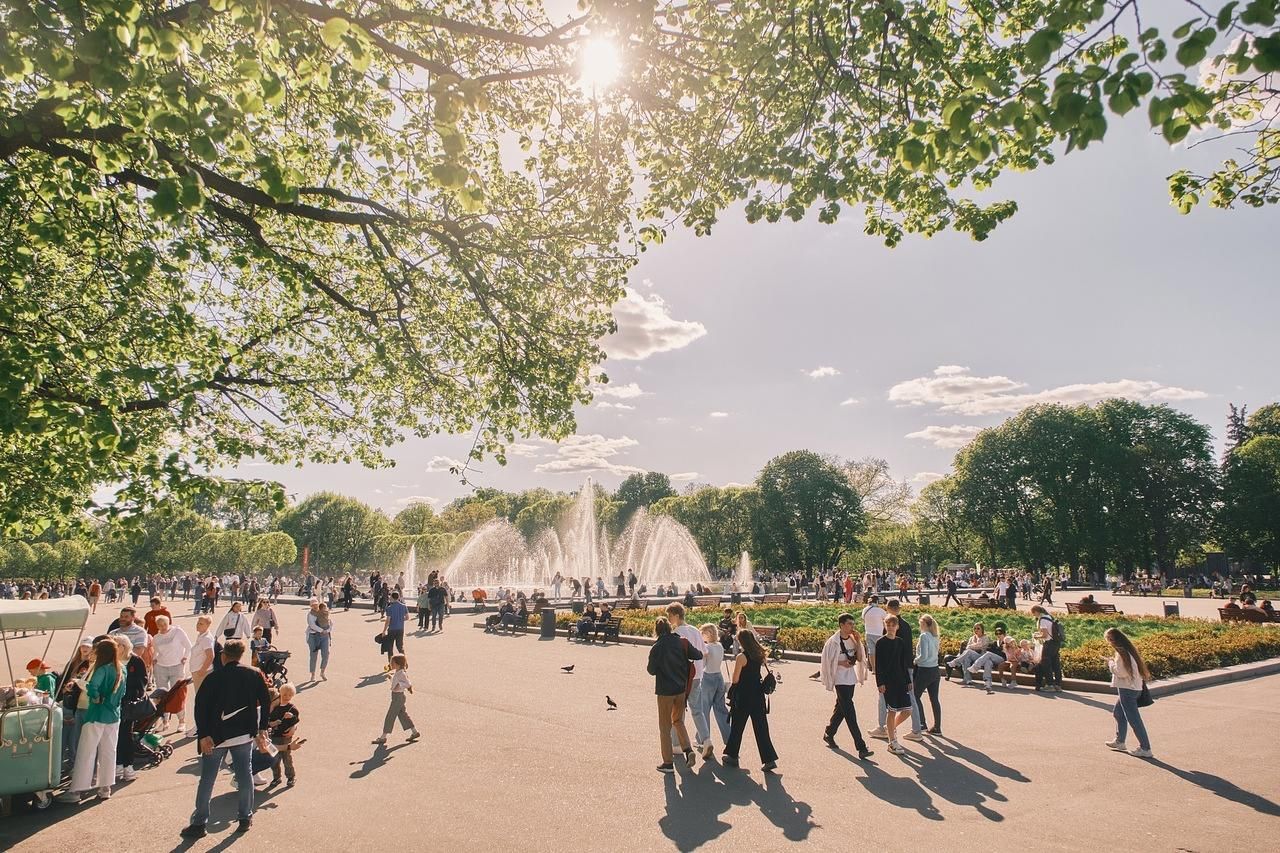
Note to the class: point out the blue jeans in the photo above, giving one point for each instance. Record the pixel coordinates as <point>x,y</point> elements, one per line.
<point>712,703</point>
<point>241,758</point>
<point>319,644</point>
<point>1126,714</point>
<point>701,726</point>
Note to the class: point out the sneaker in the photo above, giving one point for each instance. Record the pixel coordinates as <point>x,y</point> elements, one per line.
<point>72,797</point>
<point>258,779</point>
<point>690,757</point>
<point>769,766</point>
<point>414,734</point>
<point>290,783</point>
<point>729,761</point>
<point>880,732</point>
<point>829,741</point>
<point>1117,745</point>
<point>913,736</point>
<point>865,753</point>
<point>989,690</point>
<point>379,740</point>
<point>313,677</point>
<point>935,730</point>
<point>666,768</point>
<point>105,793</point>
<point>128,774</point>
<point>896,748</point>
<point>708,750</point>
<point>195,830</point>
<point>323,677</point>
<point>244,824</point>
<point>1141,753</point>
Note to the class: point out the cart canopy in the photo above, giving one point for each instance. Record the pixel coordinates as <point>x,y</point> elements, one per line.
<point>46,614</point>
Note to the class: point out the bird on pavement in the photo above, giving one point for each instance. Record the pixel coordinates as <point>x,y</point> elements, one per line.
<point>568,668</point>
<point>613,706</point>
<point>816,675</point>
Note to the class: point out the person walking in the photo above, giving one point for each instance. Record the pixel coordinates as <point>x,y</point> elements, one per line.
<point>669,664</point>
<point>400,685</point>
<point>951,592</point>
<point>235,624</point>
<point>231,713</point>
<point>264,617</point>
<point>1049,633</point>
<point>99,724</point>
<point>1046,592</point>
<point>1129,674</point>
<point>713,696</point>
<point>437,597</point>
<point>423,606</point>
<point>882,709</point>
<point>893,679</point>
<point>748,702</point>
<point>925,675</point>
<point>95,592</point>
<point>395,615</point>
<point>694,701</point>
<point>844,666</point>
<point>319,637</point>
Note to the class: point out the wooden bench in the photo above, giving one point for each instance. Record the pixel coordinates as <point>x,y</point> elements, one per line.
<point>629,604</point>
<point>768,636</point>
<point>979,603</point>
<point>520,622</point>
<point>1231,614</point>
<point>706,601</point>
<point>609,629</point>
<point>1082,607</point>
<point>776,598</point>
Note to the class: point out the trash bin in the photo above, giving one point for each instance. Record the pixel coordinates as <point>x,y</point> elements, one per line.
<point>735,598</point>
<point>1171,608</point>
<point>924,599</point>
<point>548,623</point>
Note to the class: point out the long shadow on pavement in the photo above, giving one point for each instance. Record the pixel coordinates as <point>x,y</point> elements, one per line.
<point>381,755</point>
<point>957,783</point>
<point>1221,787</point>
<point>950,746</point>
<point>693,805</point>
<point>897,790</point>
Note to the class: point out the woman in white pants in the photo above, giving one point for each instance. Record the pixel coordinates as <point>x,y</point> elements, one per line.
<point>99,726</point>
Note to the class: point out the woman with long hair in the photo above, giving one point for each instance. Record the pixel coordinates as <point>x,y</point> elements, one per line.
<point>99,725</point>
<point>747,702</point>
<point>1128,674</point>
<point>319,637</point>
<point>925,675</point>
<point>264,617</point>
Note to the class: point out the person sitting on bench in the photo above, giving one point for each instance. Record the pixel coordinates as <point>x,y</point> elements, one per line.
<point>586,623</point>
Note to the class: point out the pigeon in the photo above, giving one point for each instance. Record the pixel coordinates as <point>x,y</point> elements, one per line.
<point>568,668</point>
<point>613,706</point>
<point>816,675</point>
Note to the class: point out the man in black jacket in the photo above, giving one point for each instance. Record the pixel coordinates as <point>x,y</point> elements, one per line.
<point>231,717</point>
<point>669,663</point>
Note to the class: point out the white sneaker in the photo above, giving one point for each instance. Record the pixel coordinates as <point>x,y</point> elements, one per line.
<point>896,748</point>
<point>128,774</point>
<point>104,793</point>
<point>913,736</point>
<point>1141,753</point>
<point>1117,745</point>
<point>74,797</point>
<point>880,732</point>
<point>259,779</point>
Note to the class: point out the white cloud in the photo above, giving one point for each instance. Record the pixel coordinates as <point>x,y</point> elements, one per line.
<point>685,477</point>
<point>618,392</point>
<point>665,420</point>
<point>737,485</point>
<point>822,372</point>
<point>645,327</point>
<point>607,405</point>
<point>719,414</point>
<point>584,454</point>
<point>417,499</point>
<point>442,463</point>
<point>924,478</point>
<point>852,401</point>
<point>523,450</point>
<point>946,436</point>
<point>952,388</point>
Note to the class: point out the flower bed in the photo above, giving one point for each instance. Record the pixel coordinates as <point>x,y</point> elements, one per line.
<point>1170,646</point>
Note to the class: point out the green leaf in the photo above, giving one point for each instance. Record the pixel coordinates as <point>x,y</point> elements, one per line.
<point>911,152</point>
<point>1041,46</point>
<point>333,31</point>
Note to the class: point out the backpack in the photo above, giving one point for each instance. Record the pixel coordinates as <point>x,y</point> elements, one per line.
<point>1059,633</point>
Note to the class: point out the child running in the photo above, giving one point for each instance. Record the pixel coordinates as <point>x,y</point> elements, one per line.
<point>400,684</point>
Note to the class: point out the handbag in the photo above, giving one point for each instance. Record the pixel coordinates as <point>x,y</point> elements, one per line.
<point>769,683</point>
<point>1144,698</point>
<point>380,638</point>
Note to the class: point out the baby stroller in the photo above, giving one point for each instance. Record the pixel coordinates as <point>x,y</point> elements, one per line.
<point>147,743</point>
<point>271,664</point>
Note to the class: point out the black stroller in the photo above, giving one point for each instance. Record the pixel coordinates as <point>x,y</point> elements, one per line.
<point>149,746</point>
<point>271,664</point>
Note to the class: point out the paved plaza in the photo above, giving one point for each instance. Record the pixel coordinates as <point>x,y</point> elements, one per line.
<point>518,755</point>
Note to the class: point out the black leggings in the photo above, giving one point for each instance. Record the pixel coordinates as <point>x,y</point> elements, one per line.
<point>926,678</point>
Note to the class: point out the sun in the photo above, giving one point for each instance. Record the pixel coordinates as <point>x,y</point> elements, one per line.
<point>599,64</point>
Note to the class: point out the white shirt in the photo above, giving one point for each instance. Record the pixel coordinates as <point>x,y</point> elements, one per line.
<point>1045,624</point>
<point>833,659</point>
<point>172,647</point>
<point>694,636</point>
<point>238,623</point>
<point>873,619</point>
<point>201,652</point>
<point>1125,672</point>
<point>400,681</point>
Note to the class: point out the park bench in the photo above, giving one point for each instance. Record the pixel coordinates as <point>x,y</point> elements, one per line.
<point>629,604</point>
<point>706,601</point>
<point>1231,614</point>
<point>1081,607</point>
<point>609,629</point>
<point>979,603</point>
<point>768,636</point>
<point>776,598</point>
<point>521,622</point>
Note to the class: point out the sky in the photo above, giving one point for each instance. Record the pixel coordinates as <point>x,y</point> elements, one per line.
<point>760,339</point>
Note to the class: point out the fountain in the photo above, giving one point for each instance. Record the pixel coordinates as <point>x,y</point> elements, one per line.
<point>657,549</point>
<point>742,579</point>
<point>410,588</point>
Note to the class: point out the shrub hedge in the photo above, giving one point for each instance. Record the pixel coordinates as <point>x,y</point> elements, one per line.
<point>1169,646</point>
